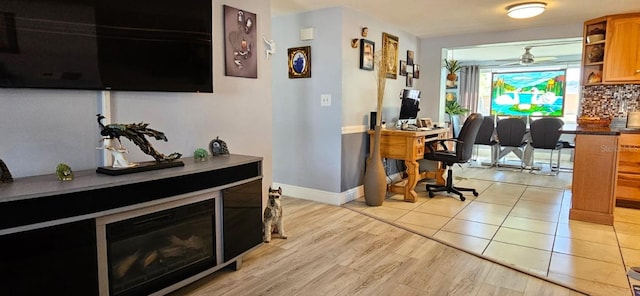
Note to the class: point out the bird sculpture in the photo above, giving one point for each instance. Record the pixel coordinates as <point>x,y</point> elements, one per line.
<point>136,133</point>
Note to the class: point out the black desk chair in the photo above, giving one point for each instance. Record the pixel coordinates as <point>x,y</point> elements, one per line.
<point>463,150</point>
<point>511,132</point>
<point>486,137</point>
<point>545,134</point>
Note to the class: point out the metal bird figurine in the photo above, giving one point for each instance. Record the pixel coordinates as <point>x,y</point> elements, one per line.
<point>136,133</point>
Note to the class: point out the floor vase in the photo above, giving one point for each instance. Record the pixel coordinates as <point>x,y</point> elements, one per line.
<point>375,178</point>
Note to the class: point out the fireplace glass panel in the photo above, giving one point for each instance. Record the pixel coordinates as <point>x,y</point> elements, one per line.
<point>155,250</point>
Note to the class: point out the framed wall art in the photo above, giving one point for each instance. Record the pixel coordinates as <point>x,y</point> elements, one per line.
<point>403,68</point>
<point>299,62</point>
<point>416,71</point>
<point>367,49</point>
<point>390,47</point>
<point>410,55</point>
<point>409,80</point>
<point>240,60</point>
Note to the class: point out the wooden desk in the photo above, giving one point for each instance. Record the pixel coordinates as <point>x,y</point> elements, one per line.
<point>409,146</point>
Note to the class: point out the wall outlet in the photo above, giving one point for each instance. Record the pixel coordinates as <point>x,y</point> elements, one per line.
<point>325,100</point>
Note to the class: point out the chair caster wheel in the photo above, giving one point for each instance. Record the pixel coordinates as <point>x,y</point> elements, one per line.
<point>475,193</point>
<point>431,194</point>
<point>462,198</point>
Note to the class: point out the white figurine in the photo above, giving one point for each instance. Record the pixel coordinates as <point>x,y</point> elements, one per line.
<point>272,47</point>
<point>119,161</point>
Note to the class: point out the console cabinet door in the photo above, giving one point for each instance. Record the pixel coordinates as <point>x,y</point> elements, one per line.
<point>241,218</point>
<point>622,53</point>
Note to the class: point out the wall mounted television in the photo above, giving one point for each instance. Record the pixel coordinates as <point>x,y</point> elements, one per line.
<point>139,45</point>
<point>528,93</point>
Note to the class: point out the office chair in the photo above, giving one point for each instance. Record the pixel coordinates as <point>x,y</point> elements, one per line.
<point>511,132</point>
<point>486,137</point>
<point>545,134</point>
<point>463,150</point>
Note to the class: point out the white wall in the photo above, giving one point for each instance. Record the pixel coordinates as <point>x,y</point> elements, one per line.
<point>41,128</point>
<point>432,49</point>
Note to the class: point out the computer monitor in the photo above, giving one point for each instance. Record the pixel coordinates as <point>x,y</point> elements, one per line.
<point>410,105</point>
<point>409,109</point>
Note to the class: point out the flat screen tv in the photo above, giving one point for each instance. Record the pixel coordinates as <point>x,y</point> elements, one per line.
<point>139,45</point>
<point>528,93</point>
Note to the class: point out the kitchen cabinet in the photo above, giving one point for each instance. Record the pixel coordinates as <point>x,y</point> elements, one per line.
<point>611,50</point>
<point>622,52</point>
<point>628,185</point>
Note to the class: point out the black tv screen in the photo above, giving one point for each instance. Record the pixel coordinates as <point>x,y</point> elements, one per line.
<point>139,45</point>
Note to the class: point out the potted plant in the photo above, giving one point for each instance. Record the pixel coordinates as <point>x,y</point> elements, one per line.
<point>452,67</point>
<point>454,108</point>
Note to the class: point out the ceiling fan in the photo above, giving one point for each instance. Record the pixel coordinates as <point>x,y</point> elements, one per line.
<point>527,58</point>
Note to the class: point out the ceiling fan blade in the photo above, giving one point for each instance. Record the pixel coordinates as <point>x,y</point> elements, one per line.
<point>542,59</point>
<point>509,64</point>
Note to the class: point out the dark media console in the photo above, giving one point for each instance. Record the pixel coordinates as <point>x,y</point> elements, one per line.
<point>145,233</point>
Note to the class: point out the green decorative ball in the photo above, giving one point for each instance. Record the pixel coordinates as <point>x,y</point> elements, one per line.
<point>200,154</point>
<point>64,172</point>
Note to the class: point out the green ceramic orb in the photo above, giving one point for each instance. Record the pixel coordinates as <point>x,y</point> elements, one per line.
<point>64,172</point>
<point>200,154</point>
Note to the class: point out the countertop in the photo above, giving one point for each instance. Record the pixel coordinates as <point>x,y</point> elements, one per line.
<point>605,131</point>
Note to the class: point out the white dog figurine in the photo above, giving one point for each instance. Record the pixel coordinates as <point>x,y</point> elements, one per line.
<point>273,215</point>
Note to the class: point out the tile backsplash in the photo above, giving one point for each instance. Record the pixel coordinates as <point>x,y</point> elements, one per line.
<point>610,100</point>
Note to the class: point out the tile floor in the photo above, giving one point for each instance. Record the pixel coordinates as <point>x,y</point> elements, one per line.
<point>521,219</point>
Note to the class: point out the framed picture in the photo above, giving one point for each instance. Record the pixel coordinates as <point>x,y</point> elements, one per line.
<point>403,68</point>
<point>8,38</point>
<point>416,71</point>
<point>425,122</point>
<point>390,47</point>
<point>299,62</point>
<point>409,80</point>
<point>410,55</point>
<point>240,43</point>
<point>367,49</point>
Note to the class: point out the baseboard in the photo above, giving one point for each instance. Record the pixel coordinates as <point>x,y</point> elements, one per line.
<point>327,197</point>
<point>321,196</point>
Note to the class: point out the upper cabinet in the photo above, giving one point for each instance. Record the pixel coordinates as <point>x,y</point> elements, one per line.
<point>611,50</point>
<point>623,50</point>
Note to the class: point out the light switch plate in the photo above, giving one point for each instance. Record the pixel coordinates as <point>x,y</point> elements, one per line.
<point>325,100</point>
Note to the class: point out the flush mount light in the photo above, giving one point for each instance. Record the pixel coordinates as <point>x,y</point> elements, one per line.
<point>526,10</point>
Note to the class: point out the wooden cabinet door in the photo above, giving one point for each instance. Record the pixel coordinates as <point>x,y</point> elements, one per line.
<point>628,186</point>
<point>622,52</point>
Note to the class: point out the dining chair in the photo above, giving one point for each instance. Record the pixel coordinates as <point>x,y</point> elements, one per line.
<point>486,137</point>
<point>545,135</point>
<point>511,133</point>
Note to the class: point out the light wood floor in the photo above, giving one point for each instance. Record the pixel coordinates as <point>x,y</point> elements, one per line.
<point>333,250</point>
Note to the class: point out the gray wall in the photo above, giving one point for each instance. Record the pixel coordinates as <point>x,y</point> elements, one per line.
<point>41,128</point>
<point>323,148</point>
<point>306,136</point>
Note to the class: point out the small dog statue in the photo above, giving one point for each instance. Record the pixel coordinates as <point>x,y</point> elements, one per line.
<point>272,222</point>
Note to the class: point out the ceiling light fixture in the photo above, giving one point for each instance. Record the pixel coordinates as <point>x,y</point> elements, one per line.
<point>526,10</point>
